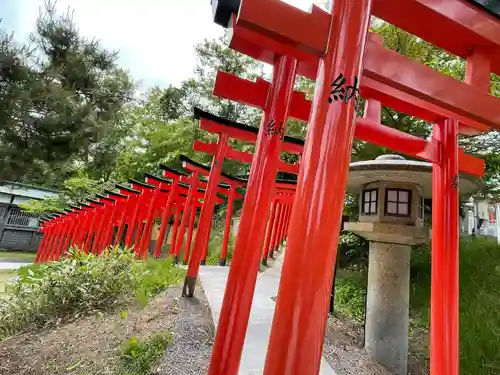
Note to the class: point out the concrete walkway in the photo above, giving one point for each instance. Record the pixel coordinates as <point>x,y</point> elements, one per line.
<point>12,265</point>
<point>214,279</point>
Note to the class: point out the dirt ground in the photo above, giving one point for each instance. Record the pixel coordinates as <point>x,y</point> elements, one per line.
<point>91,345</point>
<point>343,350</point>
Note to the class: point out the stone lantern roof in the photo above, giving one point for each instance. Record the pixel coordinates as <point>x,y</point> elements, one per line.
<point>395,168</point>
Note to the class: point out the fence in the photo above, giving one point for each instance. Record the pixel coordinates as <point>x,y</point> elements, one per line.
<point>18,217</point>
<point>18,229</point>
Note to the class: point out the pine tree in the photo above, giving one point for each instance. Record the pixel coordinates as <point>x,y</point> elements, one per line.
<point>58,100</point>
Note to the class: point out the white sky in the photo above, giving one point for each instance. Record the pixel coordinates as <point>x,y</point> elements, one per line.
<point>155,38</point>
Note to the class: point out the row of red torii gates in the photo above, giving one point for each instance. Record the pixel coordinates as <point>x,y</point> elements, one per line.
<point>346,61</point>
<point>126,216</point>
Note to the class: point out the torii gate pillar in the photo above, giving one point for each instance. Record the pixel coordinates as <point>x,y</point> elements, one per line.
<point>299,321</point>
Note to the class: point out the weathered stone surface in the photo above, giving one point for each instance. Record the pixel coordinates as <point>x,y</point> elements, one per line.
<point>387,305</point>
<point>389,233</point>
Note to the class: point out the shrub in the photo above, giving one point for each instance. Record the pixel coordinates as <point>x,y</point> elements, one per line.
<point>44,294</point>
<point>352,250</point>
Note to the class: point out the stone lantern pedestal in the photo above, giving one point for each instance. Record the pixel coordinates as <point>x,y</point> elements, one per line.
<point>388,293</point>
<point>236,224</point>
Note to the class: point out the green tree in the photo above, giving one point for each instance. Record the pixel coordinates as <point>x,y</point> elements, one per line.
<point>74,190</point>
<point>59,100</point>
<point>151,140</point>
<point>212,56</point>
<point>177,102</point>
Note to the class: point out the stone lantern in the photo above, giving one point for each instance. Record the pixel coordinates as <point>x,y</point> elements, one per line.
<point>391,217</point>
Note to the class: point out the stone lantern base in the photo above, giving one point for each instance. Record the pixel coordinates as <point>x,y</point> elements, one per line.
<point>387,305</point>
<point>388,293</point>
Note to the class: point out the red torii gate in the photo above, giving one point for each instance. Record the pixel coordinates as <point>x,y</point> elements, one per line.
<point>52,233</point>
<point>47,229</point>
<point>121,201</point>
<point>229,188</point>
<point>61,230</point>
<point>199,250</point>
<point>189,211</point>
<point>176,188</point>
<point>91,226</point>
<point>128,206</point>
<point>245,133</point>
<point>173,191</point>
<point>338,43</point>
<point>290,144</point>
<point>75,226</point>
<point>134,227</point>
<point>98,209</point>
<point>277,228</point>
<point>225,129</point>
<point>84,225</point>
<point>279,215</point>
<point>186,186</point>
<point>249,134</point>
<point>167,193</point>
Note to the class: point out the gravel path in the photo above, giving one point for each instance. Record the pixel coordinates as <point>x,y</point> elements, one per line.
<point>194,333</point>
<point>193,339</point>
<point>343,352</point>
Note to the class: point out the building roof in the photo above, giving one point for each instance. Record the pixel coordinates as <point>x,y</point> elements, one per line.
<point>25,190</point>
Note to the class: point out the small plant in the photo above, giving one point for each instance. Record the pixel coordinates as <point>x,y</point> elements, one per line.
<point>350,292</point>
<point>214,250</point>
<point>81,283</point>
<point>138,358</point>
<point>352,249</point>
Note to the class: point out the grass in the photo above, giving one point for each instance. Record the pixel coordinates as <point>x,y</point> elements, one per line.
<point>139,357</point>
<point>479,301</point>
<point>6,256</point>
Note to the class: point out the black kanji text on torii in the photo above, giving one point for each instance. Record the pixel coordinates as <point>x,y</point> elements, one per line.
<point>273,131</point>
<point>344,93</point>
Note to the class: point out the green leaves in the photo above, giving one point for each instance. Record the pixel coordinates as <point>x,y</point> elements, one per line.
<point>75,189</point>
<point>59,99</point>
<point>212,56</point>
<point>79,284</point>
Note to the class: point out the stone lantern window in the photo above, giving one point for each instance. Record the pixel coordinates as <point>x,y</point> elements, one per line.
<point>397,202</point>
<point>420,207</point>
<point>370,202</point>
